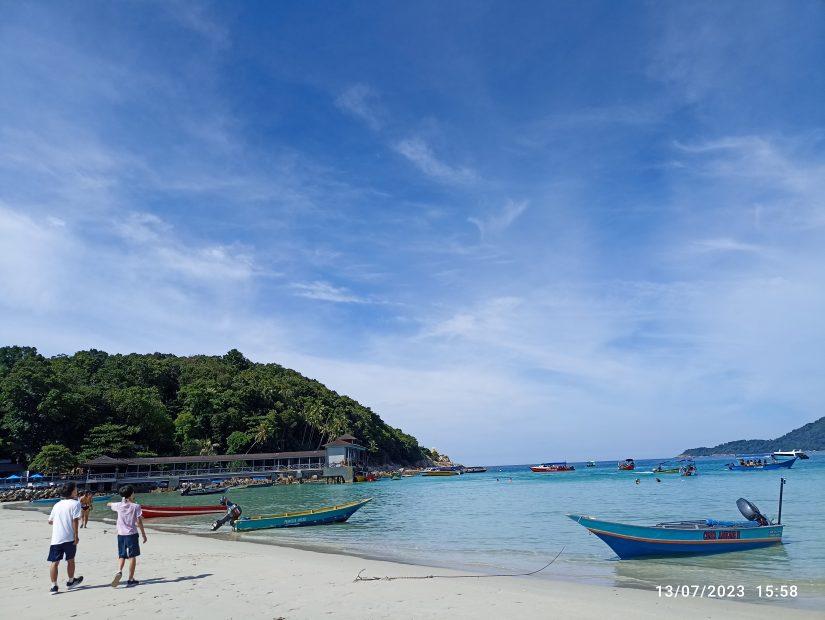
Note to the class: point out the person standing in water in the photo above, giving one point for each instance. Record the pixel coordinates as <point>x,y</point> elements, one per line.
<point>129,520</point>
<point>64,519</point>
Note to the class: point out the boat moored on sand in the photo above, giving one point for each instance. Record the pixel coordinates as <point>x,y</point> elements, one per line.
<point>551,468</point>
<point>316,516</point>
<point>698,537</point>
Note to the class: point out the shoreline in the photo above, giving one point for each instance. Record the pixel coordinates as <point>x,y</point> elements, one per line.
<point>184,577</point>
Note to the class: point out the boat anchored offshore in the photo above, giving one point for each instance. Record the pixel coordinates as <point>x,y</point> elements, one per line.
<point>441,471</point>
<point>551,468</point>
<point>591,463</point>
<point>699,537</point>
<point>751,462</point>
<point>316,516</point>
<point>475,469</point>
<point>204,491</point>
<point>796,453</point>
<point>666,468</point>
<point>627,465</point>
<point>688,469</point>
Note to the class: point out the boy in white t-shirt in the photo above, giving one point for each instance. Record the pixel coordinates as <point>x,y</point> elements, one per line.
<point>64,519</point>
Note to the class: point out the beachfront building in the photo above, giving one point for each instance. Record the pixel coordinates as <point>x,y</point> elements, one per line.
<point>339,458</point>
<point>345,452</point>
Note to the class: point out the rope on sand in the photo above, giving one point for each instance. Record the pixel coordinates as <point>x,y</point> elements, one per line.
<point>358,577</point>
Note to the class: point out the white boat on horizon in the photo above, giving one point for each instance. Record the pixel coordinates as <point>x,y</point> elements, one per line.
<point>797,453</point>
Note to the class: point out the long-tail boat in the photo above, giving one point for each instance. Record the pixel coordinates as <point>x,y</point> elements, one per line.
<point>551,468</point>
<point>666,468</point>
<point>154,512</point>
<point>698,537</point>
<point>758,462</point>
<point>316,516</point>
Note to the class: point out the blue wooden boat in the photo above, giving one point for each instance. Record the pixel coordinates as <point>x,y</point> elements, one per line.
<point>316,516</point>
<point>53,500</point>
<point>759,462</point>
<point>698,537</point>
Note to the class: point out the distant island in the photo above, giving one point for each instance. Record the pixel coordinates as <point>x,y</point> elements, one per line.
<point>808,437</point>
<point>56,412</point>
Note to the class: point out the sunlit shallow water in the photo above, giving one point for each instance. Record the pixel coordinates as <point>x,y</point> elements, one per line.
<point>511,520</point>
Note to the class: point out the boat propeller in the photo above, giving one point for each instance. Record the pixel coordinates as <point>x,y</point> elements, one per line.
<point>750,511</point>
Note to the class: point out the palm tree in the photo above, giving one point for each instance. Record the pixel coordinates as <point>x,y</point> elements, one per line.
<point>263,432</point>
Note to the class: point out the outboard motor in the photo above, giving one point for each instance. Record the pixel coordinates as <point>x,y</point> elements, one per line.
<point>233,513</point>
<point>751,512</point>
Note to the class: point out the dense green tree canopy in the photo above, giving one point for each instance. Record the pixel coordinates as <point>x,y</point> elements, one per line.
<point>94,403</point>
<point>54,459</point>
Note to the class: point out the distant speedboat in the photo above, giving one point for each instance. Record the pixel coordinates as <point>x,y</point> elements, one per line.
<point>666,468</point>
<point>551,468</point>
<point>441,471</point>
<point>754,462</point>
<point>204,491</point>
<point>627,465</point>
<point>591,463</point>
<point>795,453</point>
<point>699,537</point>
<point>474,470</point>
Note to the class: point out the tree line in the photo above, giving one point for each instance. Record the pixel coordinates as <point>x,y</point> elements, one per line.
<point>63,410</point>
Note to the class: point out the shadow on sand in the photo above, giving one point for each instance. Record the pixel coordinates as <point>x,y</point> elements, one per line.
<point>143,582</point>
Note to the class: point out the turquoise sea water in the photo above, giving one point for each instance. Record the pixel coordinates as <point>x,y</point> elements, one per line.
<point>511,519</point>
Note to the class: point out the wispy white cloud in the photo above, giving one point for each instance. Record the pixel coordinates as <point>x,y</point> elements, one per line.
<point>361,101</point>
<point>324,291</point>
<point>725,244</point>
<point>197,17</point>
<point>419,153</point>
<point>499,222</point>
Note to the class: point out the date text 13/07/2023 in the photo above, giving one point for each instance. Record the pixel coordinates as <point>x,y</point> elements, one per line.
<point>727,591</point>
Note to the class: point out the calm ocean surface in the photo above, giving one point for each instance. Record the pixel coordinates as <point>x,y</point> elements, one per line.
<point>510,519</point>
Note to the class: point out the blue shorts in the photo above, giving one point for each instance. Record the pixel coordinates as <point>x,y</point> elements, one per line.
<point>56,552</point>
<point>128,546</point>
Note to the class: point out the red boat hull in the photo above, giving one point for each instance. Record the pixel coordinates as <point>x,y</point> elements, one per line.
<point>155,512</point>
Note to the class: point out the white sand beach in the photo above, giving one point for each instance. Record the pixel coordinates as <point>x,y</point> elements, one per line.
<point>185,576</point>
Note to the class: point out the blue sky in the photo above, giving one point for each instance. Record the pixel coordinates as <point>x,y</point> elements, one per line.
<point>519,231</point>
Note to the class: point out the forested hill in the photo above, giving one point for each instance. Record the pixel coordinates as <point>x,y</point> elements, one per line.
<point>94,403</point>
<point>808,437</point>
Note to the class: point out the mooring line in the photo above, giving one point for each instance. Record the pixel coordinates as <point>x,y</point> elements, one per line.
<point>358,577</point>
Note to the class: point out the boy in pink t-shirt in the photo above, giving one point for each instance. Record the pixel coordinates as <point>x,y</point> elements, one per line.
<point>129,519</point>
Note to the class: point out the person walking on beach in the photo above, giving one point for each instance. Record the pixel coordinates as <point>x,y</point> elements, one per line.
<point>129,520</point>
<point>64,519</point>
<point>86,508</point>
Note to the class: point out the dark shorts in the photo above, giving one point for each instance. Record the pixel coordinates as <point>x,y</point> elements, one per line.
<point>128,546</point>
<point>56,552</point>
